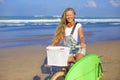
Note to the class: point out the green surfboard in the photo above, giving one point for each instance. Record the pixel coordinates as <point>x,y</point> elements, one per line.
<point>87,68</point>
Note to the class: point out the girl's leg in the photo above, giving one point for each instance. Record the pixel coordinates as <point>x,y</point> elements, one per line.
<point>70,59</point>
<point>78,56</point>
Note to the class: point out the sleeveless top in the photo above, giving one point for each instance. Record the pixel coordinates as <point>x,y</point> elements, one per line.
<point>71,38</point>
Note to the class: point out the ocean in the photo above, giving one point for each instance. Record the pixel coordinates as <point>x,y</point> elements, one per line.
<point>39,30</point>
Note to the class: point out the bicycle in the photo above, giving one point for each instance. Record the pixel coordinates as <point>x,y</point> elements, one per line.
<point>80,71</point>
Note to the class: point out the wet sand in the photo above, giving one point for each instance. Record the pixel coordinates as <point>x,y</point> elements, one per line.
<point>24,62</point>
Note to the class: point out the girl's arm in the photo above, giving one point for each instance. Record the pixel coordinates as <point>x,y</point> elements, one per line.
<point>82,40</point>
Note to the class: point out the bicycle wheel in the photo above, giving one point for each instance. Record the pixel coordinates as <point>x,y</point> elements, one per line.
<point>58,76</point>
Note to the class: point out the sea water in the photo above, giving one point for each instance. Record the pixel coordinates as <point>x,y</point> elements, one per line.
<point>39,30</point>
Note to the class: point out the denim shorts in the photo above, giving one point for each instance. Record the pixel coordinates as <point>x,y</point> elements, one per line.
<point>78,50</point>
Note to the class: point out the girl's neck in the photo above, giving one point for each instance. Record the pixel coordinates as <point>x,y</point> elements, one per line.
<point>70,24</point>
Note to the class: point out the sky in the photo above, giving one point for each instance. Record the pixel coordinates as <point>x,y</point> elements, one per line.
<point>87,8</point>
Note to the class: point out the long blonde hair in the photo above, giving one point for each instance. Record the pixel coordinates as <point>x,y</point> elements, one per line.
<point>60,31</point>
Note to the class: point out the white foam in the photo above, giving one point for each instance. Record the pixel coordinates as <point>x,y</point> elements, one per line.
<point>58,20</point>
<point>98,20</point>
<point>115,23</point>
<point>10,24</point>
<point>26,21</point>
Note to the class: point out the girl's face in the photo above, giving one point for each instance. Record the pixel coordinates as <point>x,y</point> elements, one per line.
<point>70,16</point>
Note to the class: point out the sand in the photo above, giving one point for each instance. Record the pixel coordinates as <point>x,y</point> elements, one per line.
<point>24,62</point>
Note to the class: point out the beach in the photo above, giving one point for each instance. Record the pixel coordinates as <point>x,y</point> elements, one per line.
<point>23,42</point>
<point>24,62</point>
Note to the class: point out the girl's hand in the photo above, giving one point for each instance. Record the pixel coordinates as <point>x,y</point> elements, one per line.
<point>82,45</point>
<point>51,44</point>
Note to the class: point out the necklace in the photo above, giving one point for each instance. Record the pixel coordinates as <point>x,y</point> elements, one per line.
<point>70,24</point>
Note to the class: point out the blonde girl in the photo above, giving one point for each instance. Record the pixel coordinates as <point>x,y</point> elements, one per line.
<point>63,31</point>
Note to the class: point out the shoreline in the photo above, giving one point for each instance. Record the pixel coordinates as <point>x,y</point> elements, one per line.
<point>38,40</point>
<point>24,62</point>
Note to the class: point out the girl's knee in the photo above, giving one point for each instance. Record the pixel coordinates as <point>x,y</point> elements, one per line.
<point>70,58</point>
<point>78,56</point>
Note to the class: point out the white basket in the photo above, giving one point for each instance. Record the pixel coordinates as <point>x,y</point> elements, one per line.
<point>57,55</point>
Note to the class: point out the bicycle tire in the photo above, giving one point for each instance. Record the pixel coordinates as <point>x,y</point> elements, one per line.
<point>58,75</point>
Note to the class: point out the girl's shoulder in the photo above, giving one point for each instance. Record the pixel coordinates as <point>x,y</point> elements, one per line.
<point>78,25</point>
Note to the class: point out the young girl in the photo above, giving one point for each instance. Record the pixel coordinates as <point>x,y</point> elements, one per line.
<point>64,30</point>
